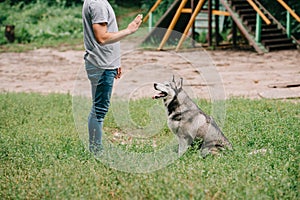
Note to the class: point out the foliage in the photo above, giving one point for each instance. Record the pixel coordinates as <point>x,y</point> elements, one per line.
<point>39,22</point>
<point>63,3</point>
<point>163,6</point>
<point>67,3</point>
<point>134,3</point>
<point>50,23</point>
<point>42,157</point>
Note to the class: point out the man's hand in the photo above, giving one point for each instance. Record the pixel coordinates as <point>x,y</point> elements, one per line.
<point>119,72</point>
<point>103,37</point>
<point>135,24</point>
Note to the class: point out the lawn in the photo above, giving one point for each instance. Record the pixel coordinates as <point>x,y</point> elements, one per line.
<point>43,157</point>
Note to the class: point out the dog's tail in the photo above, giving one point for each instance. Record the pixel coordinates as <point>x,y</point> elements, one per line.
<point>224,142</point>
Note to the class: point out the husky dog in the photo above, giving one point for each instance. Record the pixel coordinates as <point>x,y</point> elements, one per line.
<point>188,122</point>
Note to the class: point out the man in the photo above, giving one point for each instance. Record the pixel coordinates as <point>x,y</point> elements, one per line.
<point>102,60</point>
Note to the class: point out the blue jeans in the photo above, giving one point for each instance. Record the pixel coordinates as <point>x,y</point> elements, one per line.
<point>102,81</point>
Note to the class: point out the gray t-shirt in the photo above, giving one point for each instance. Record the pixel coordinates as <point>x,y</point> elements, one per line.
<point>103,56</point>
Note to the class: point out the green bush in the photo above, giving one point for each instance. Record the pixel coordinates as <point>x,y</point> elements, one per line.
<point>64,3</point>
<point>51,23</point>
<point>37,22</point>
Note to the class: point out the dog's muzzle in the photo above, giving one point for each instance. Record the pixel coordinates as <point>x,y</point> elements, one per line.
<point>161,94</point>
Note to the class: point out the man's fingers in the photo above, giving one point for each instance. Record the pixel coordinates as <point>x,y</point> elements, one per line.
<point>119,72</point>
<point>139,18</point>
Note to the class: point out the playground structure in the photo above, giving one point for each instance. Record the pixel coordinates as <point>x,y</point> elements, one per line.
<point>263,32</point>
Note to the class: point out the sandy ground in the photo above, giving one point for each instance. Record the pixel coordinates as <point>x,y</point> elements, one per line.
<point>207,74</point>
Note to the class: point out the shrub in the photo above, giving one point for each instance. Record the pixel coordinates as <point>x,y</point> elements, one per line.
<point>37,22</point>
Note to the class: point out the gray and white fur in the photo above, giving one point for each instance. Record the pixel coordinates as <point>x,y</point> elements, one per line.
<point>188,122</point>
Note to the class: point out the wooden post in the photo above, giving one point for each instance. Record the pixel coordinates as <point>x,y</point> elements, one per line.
<point>172,25</point>
<point>289,10</point>
<point>209,23</point>
<point>193,27</point>
<point>217,7</point>
<point>258,28</point>
<point>234,33</point>
<point>187,28</point>
<point>263,16</point>
<point>152,10</point>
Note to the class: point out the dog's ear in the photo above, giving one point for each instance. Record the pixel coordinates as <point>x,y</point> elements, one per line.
<point>173,79</point>
<point>179,84</point>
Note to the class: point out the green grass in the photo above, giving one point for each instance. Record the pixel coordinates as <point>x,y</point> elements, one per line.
<point>42,157</point>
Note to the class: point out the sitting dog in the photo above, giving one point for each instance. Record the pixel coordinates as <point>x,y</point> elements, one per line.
<point>188,122</point>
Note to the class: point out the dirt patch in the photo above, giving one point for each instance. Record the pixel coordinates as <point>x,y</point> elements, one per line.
<point>236,73</point>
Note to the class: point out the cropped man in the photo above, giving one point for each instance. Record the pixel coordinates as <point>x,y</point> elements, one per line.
<point>102,60</point>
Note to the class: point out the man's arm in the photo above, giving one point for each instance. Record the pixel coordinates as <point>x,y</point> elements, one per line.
<point>104,37</point>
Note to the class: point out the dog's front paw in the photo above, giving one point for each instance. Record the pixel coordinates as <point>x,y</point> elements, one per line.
<point>209,151</point>
<point>182,149</point>
<point>204,152</point>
